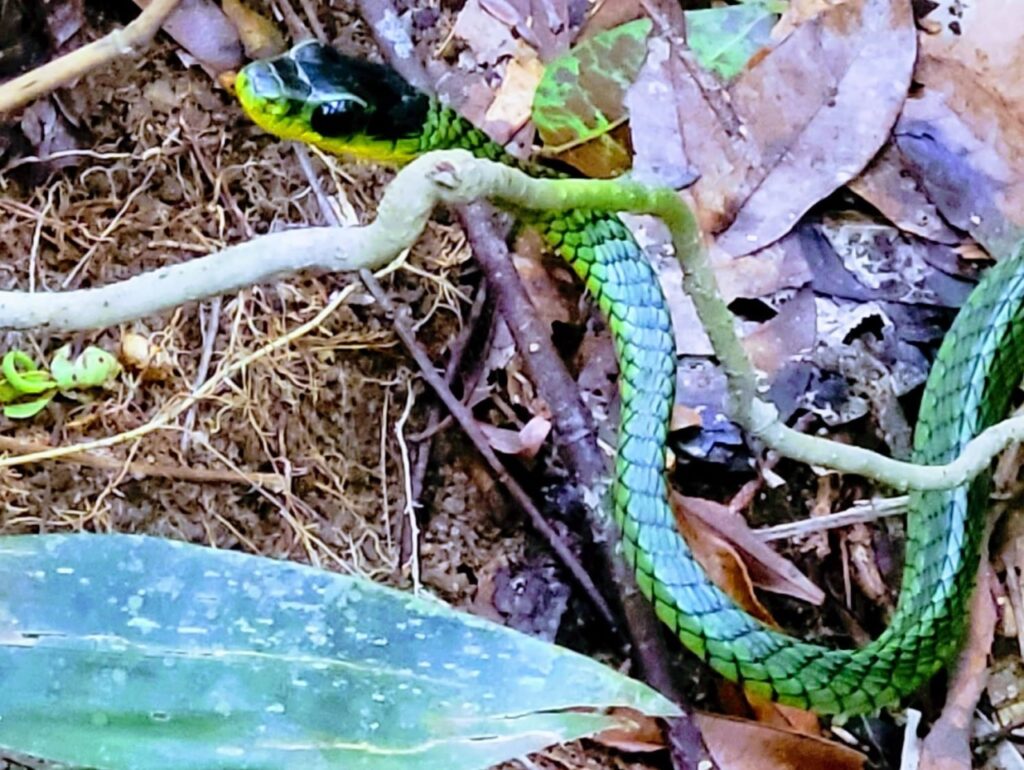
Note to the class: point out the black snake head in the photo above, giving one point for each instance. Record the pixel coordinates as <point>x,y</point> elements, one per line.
<point>317,95</point>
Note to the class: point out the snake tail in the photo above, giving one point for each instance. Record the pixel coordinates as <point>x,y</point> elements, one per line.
<point>314,94</point>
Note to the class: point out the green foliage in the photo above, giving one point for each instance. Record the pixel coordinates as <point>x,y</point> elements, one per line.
<point>25,388</point>
<point>131,652</point>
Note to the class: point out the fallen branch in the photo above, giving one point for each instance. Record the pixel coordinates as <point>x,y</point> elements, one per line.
<point>455,177</point>
<point>121,42</point>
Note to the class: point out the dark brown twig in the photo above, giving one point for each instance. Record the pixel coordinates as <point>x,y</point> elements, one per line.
<point>571,419</point>
<point>468,424</point>
<point>479,314</point>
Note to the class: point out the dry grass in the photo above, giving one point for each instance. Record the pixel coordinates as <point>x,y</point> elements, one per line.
<point>172,170</point>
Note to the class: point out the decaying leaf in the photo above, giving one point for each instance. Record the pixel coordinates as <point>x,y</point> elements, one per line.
<point>202,29</point>
<point>742,745</point>
<point>792,128</point>
<point>580,99</point>
<point>767,569</point>
<point>525,442</point>
<point>966,144</point>
<point>261,37</point>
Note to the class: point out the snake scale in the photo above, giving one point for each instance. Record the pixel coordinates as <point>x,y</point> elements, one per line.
<point>315,94</point>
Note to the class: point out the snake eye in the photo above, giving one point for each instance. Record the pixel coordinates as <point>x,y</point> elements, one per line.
<point>340,118</point>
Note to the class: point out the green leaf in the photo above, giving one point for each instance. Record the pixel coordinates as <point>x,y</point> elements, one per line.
<point>580,98</point>
<point>121,651</point>
<point>24,410</point>
<point>724,39</point>
<point>92,368</point>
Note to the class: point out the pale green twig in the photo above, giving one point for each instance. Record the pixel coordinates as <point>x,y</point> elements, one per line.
<point>454,177</point>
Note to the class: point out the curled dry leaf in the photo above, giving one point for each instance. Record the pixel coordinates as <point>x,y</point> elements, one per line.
<point>818,108</point>
<point>488,38</point>
<point>888,186</point>
<point>784,337</point>
<point>140,353</point>
<point>260,36</point>
<point>525,442</point>
<point>759,564</point>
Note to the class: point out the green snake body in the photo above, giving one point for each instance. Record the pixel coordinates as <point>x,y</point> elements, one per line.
<point>314,94</point>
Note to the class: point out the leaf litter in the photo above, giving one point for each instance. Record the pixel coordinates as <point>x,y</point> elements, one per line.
<point>830,282</point>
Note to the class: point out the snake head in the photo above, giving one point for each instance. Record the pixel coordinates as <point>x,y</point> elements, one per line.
<point>317,95</point>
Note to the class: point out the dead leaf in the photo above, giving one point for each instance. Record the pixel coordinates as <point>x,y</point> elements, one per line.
<point>260,35</point>
<point>645,736</point>
<point>818,108</point>
<point>202,29</point>
<point>966,145</point>
<point>785,337</point>
<point>544,24</point>
<point>889,185</point>
<point>728,533</point>
<point>739,744</point>
<point>684,416</point>
<point>987,38</point>
<point>792,128</point>
<point>488,38</point>
<point>525,442</point>
<point>767,568</point>
<point>514,98</point>
<point>779,266</point>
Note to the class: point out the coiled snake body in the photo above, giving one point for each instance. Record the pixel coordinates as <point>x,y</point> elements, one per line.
<point>314,94</point>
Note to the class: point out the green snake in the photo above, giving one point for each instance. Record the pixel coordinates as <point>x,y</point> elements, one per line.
<point>316,95</point>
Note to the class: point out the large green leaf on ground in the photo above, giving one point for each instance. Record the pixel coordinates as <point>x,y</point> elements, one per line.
<point>121,651</point>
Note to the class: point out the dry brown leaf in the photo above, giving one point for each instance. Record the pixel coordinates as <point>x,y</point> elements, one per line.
<point>780,266</point>
<point>488,38</point>
<point>202,29</point>
<point>525,442</point>
<point>987,38</point>
<point>605,14</point>
<point>767,568</point>
<point>684,417</point>
<point>739,744</point>
<point>795,126</point>
<point>261,37</point>
<point>888,185</point>
<point>645,736</point>
<point>784,337</point>
<point>966,144</point>
<point>818,108</point>
<point>513,100</point>
<point>722,563</point>
<point>544,24</point>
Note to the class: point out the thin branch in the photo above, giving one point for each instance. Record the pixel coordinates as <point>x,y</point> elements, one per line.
<point>860,513</point>
<point>464,417</point>
<point>274,482</point>
<point>114,45</point>
<point>402,214</point>
<point>455,177</point>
